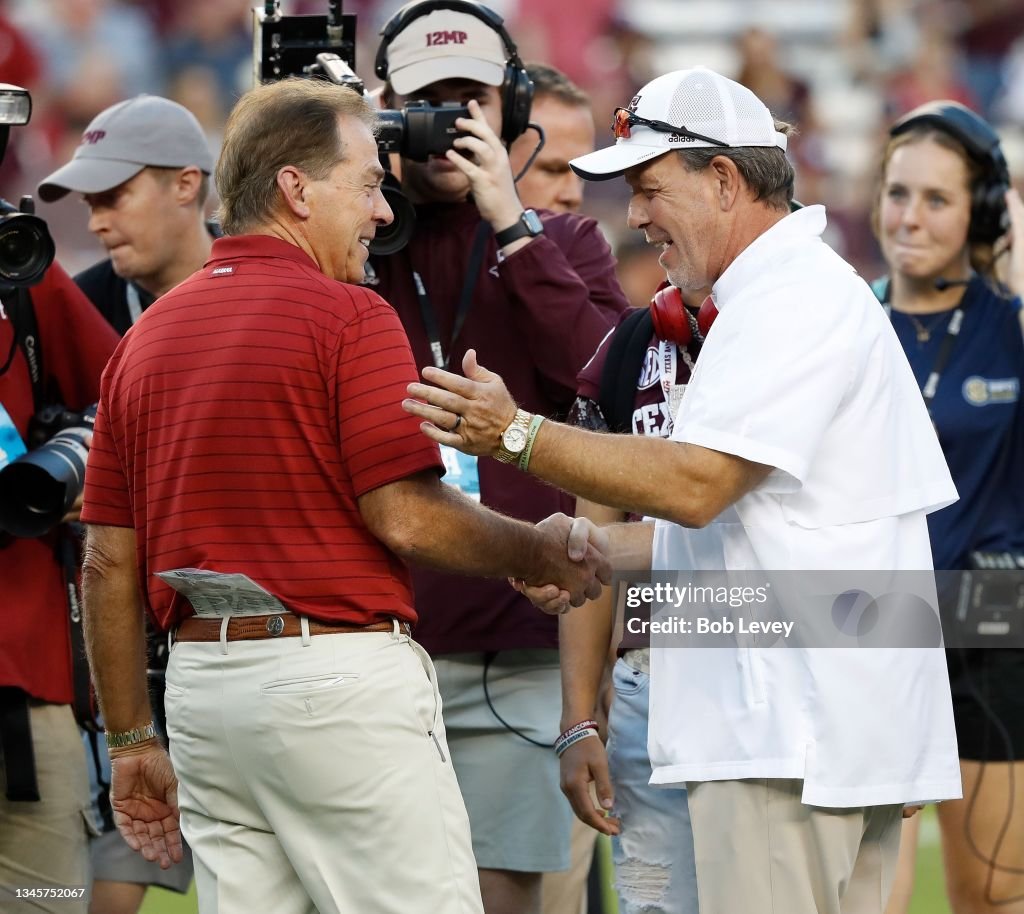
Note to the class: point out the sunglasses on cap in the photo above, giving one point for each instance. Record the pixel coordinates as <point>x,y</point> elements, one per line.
<point>624,120</point>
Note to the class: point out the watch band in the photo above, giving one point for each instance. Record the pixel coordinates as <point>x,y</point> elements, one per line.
<point>529,225</point>
<point>131,737</point>
<point>531,436</point>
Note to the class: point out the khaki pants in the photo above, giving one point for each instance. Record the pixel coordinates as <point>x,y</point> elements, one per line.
<point>44,844</point>
<point>759,850</point>
<point>316,778</point>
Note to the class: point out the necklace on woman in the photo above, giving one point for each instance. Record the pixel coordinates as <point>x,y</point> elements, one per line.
<point>924,331</point>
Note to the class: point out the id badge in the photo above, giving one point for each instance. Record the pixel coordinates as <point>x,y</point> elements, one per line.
<point>461,471</point>
<point>11,445</point>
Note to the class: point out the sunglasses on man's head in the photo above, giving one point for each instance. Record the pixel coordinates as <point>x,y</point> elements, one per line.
<point>624,120</point>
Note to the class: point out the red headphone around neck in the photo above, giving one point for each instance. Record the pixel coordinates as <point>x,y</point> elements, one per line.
<point>673,322</point>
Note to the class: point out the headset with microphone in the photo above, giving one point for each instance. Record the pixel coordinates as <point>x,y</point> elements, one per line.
<point>989,217</point>
<point>517,87</point>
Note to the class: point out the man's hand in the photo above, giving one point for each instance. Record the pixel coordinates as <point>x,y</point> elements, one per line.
<point>582,764</point>
<point>467,413</point>
<point>577,568</point>
<point>911,811</point>
<point>488,169</point>
<point>584,538</point>
<point>144,798</point>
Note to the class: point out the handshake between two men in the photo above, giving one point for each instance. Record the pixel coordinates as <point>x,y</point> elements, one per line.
<point>476,415</point>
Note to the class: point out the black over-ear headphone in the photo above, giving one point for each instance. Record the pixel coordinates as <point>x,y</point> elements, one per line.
<point>517,88</point>
<point>989,218</point>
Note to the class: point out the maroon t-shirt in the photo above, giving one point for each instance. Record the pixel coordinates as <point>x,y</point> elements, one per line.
<point>535,319</point>
<point>240,420</point>
<point>650,408</point>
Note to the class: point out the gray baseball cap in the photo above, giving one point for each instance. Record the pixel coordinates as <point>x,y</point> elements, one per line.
<point>124,139</point>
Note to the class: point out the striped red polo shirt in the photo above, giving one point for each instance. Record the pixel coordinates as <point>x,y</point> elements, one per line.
<point>239,421</point>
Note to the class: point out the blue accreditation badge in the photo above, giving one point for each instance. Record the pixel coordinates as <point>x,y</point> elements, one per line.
<point>461,471</point>
<point>11,445</point>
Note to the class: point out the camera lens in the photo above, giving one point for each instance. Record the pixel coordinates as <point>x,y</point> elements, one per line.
<point>430,129</point>
<point>26,249</point>
<point>39,488</point>
<point>390,239</point>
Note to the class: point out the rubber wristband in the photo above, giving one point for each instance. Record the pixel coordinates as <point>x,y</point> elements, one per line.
<point>582,725</point>
<point>531,436</point>
<point>578,736</point>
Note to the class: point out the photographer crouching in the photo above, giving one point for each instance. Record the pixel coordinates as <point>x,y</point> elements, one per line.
<point>53,346</point>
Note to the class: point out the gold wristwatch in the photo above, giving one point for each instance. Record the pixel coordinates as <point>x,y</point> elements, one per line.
<point>513,439</point>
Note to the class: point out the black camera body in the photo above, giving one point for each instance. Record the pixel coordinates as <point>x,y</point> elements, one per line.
<point>39,488</point>
<point>324,47</point>
<point>420,130</point>
<point>26,248</point>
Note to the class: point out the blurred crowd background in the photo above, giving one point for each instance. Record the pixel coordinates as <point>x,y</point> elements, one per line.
<point>842,70</point>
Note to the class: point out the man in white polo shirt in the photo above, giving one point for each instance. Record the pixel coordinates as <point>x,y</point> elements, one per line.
<point>802,444</point>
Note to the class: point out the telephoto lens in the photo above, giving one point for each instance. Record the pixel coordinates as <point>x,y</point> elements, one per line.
<point>39,488</point>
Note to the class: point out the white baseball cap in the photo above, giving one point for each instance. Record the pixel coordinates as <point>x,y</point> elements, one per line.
<point>125,138</point>
<point>688,109</point>
<point>445,44</point>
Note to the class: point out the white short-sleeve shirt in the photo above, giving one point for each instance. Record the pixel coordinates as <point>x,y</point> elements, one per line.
<point>803,372</point>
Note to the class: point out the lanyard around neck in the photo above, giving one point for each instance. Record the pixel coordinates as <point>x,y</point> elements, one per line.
<point>469,281</point>
<point>134,301</point>
<point>931,384</point>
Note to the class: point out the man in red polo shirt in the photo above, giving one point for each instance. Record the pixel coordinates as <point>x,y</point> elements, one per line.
<point>255,486</point>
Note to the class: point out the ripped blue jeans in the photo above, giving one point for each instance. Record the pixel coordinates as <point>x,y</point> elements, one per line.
<point>654,868</point>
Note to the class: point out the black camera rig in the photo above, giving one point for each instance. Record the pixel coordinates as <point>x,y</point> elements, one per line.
<point>26,248</point>
<point>324,47</point>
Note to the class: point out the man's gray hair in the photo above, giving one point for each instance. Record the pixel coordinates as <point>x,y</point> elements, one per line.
<point>766,169</point>
<point>291,122</point>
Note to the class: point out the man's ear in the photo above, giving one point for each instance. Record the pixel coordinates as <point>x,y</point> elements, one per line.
<point>294,186</point>
<point>186,187</point>
<point>728,181</point>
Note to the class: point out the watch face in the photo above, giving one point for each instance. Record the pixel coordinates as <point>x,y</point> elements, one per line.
<point>532,222</point>
<point>514,439</point>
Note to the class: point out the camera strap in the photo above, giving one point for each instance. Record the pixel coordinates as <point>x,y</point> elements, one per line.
<point>469,281</point>
<point>16,746</point>
<point>103,796</point>
<point>69,549</point>
<point>22,314</point>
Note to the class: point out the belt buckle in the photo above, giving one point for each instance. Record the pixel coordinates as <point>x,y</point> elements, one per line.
<point>275,625</point>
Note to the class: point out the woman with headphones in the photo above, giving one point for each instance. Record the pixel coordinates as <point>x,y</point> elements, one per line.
<point>941,215</point>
